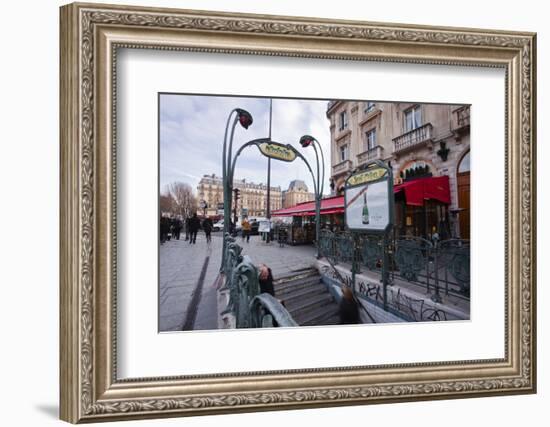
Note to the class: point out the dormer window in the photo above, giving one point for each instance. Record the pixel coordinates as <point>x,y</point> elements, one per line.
<point>369,107</point>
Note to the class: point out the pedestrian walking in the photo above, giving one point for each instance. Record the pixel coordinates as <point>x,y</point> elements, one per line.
<point>349,311</point>
<point>164,229</point>
<point>194,225</point>
<point>187,222</point>
<point>246,227</point>
<point>207,226</point>
<point>177,225</point>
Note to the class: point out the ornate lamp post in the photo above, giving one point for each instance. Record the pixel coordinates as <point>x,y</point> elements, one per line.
<point>244,118</point>
<point>306,141</point>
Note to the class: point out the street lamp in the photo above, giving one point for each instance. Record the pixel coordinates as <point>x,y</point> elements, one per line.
<point>244,118</point>
<point>306,141</point>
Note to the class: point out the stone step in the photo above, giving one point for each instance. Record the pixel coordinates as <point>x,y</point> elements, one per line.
<point>293,294</point>
<point>293,278</point>
<point>305,304</point>
<point>327,314</point>
<point>294,273</point>
<point>307,299</point>
<point>333,319</point>
<point>292,287</point>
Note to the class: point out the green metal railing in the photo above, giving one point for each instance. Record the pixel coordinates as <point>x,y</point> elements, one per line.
<point>251,308</point>
<point>442,266</point>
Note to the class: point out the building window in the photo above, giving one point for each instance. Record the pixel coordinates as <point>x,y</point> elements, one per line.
<point>413,118</point>
<point>416,169</point>
<point>370,139</point>
<point>464,165</point>
<point>369,106</point>
<point>343,120</point>
<point>344,152</point>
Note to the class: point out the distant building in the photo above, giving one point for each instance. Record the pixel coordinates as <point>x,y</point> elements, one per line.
<point>418,141</point>
<point>297,193</point>
<point>252,198</point>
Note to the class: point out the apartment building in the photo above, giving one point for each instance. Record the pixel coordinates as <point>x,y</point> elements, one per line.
<point>420,142</point>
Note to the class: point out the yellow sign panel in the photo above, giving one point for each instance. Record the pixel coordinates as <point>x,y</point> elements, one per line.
<point>277,151</point>
<point>367,176</point>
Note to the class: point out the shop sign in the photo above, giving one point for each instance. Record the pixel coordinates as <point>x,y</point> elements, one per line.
<point>369,200</point>
<point>264,227</point>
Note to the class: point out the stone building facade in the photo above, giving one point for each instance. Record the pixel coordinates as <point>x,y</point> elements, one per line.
<point>252,197</point>
<point>297,193</point>
<point>416,140</point>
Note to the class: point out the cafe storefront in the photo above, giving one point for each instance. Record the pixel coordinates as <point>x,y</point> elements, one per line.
<point>299,220</point>
<point>421,210</point>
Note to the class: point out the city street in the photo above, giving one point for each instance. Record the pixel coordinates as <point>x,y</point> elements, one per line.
<point>188,272</point>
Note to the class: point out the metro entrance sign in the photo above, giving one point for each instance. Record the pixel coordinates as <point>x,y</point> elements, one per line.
<point>277,151</point>
<point>368,195</point>
<point>369,208</point>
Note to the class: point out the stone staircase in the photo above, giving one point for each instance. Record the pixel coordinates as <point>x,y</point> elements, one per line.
<point>307,299</point>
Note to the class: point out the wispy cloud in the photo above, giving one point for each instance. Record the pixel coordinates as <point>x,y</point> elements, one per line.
<point>192,131</point>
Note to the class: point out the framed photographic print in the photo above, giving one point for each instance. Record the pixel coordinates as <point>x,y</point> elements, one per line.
<point>268,212</point>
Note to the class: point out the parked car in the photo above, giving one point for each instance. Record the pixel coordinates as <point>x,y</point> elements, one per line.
<point>218,226</point>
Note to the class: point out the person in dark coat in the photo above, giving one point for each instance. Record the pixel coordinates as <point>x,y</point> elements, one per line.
<point>266,280</point>
<point>177,225</point>
<point>164,229</point>
<point>194,225</point>
<point>187,221</point>
<point>349,311</point>
<point>207,226</point>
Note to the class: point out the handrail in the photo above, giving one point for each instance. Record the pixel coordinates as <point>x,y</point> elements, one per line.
<point>267,311</point>
<point>250,308</point>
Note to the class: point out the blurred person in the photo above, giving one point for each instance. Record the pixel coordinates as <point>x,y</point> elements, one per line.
<point>348,308</point>
<point>187,222</point>
<point>177,227</point>
<point>246,227</point>
<point>266,280</point>
<point>164,228</point>
<point>207,226</point>
<point>194,225</point>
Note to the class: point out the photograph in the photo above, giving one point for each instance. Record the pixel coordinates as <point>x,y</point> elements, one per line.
<point>285,212</point>
<point>268,212</point>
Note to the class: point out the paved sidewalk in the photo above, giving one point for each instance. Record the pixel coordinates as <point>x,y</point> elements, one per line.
<point>281,260</point>
<point>182,292</point>
<point>180,268</point>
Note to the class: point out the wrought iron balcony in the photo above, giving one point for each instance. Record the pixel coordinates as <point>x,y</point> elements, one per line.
<point>413,138</point>
<point>342,167</point>
<point>461,119</point>
<point>371,154</point>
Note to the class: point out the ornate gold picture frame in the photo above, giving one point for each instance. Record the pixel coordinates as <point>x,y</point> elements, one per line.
<point>90,387</point>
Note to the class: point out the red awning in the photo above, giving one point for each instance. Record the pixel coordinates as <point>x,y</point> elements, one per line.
<point>329,205</point>
<point>416,192</point>
<point>436,188</point>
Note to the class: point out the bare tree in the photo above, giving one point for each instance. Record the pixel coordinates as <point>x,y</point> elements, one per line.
<point>184,203</point>
<point>166,202</point>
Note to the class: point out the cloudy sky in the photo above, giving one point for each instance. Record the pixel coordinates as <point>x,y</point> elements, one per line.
<point>192,129</point>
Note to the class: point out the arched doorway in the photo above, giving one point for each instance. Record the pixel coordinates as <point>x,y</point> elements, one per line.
<point>463,192</point>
